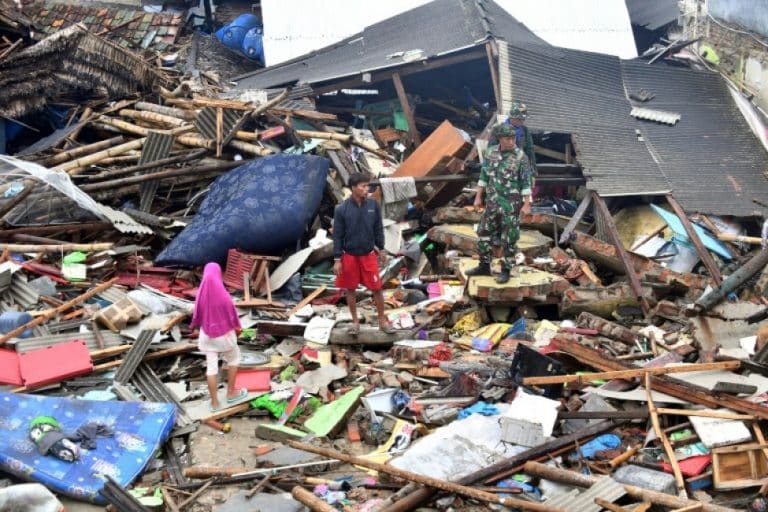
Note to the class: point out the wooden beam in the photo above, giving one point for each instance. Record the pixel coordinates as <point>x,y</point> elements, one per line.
<point>664,440</point>
<point>52,312</point>
<point>724,415</point>
<point>577,216</point>
<point>669,385</point>
<point>557,155</point>
<point>489,50</point>
<point>630,374</point>
<point>444,485</point>
<point>704,254</point>
<point>634,280</point>
<point>475,53</point>
<point>407,110</point>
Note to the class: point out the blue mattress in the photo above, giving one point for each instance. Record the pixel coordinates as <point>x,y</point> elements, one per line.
<point>139,429</point>
<point>263,206</point>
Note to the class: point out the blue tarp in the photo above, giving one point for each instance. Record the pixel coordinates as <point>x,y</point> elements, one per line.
<point>262,207</point>
<point>139,428</point>
<point>710,242</point>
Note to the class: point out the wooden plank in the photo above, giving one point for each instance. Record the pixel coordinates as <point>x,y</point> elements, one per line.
<point>702,251</point>
<point>489,50</point>
<point>664,440</point>
<point>557,155</point>
<point>671,386</point>
<point>634,280</point>
<point>629,374</point>
<point>407,110</point>
<point>577,216</point>
<point>706,414</point>
<point>306,300</point>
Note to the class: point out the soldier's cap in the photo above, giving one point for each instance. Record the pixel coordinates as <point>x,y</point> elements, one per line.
<point>504,130</point>
<point>518,110</point>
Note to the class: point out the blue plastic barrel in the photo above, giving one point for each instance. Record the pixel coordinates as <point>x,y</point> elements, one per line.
<point>232,35</point>
<point>253,45</point>
<point>10,320</point>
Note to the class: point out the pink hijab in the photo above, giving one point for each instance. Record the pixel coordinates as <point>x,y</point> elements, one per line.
<point>214,310</point>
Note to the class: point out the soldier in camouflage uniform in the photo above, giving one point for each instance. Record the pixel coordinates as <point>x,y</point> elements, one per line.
<point>506,175</point>
<point>517,114</point>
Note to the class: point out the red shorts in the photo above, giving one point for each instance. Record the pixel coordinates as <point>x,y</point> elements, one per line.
<point>359,269</point>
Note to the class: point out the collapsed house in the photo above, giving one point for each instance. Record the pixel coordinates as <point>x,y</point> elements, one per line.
<point>107,221</point>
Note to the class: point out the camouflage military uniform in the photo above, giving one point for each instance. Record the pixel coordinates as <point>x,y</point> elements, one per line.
<point>507,177</point>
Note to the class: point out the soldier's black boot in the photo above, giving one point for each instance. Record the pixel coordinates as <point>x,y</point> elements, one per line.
<point>503,276</point>
<point>483,269</point>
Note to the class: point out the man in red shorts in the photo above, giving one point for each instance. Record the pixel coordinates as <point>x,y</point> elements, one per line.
<point>358,243</point>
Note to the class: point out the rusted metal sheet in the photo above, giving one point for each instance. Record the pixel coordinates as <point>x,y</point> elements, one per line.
<point>528,283</point>
<point>464,238</point>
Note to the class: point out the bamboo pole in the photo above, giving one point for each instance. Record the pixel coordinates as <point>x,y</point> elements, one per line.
<point>81,123</point>
<point>250,148</point>
<point>664,439</point>
<point>186,115</point>
<point>246,136</point>
<point>630,374</point>
<point>425,480</point>
<point>184,171</point>
<point>659,498</point>
<point>152,117</point>
<point>706,414</point>
<point>56,247</point>
<point>725,237</point>
<point>50,313</point>
<point>82,150</point>
<point>81,163</point>
<point>183,157</point>
<point>314,503</point>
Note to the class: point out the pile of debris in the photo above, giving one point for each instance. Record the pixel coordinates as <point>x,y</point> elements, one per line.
<point>623,367</point>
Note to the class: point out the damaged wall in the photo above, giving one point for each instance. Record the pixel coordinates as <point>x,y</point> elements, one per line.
<point>737,31</point>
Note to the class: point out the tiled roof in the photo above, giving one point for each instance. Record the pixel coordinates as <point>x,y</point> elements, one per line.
<point>132,29</point>
<point>431,30</point>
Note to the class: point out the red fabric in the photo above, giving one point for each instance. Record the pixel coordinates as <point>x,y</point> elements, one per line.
<point>359,269</point>
<point>214,310</point>
<point>692,466</point>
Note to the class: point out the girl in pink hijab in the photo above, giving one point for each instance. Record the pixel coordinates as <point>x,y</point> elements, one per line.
<point>219,325</point>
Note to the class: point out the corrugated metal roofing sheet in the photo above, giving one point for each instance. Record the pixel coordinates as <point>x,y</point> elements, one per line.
<point>605,488</point>
<point>583,94</point>
<point>437,28</point>
<point>711,158</point>
<point>659,116</point>
<point>111,339</point>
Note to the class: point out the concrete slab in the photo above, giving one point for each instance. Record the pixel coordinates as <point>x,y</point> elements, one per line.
<point>529,282</point>
<point>463,237</point>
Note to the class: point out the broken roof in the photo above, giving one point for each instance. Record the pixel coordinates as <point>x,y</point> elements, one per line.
<point>70,61</point>
<point>126,27</point>
<point>709,160</point>
<point>454,25</point>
